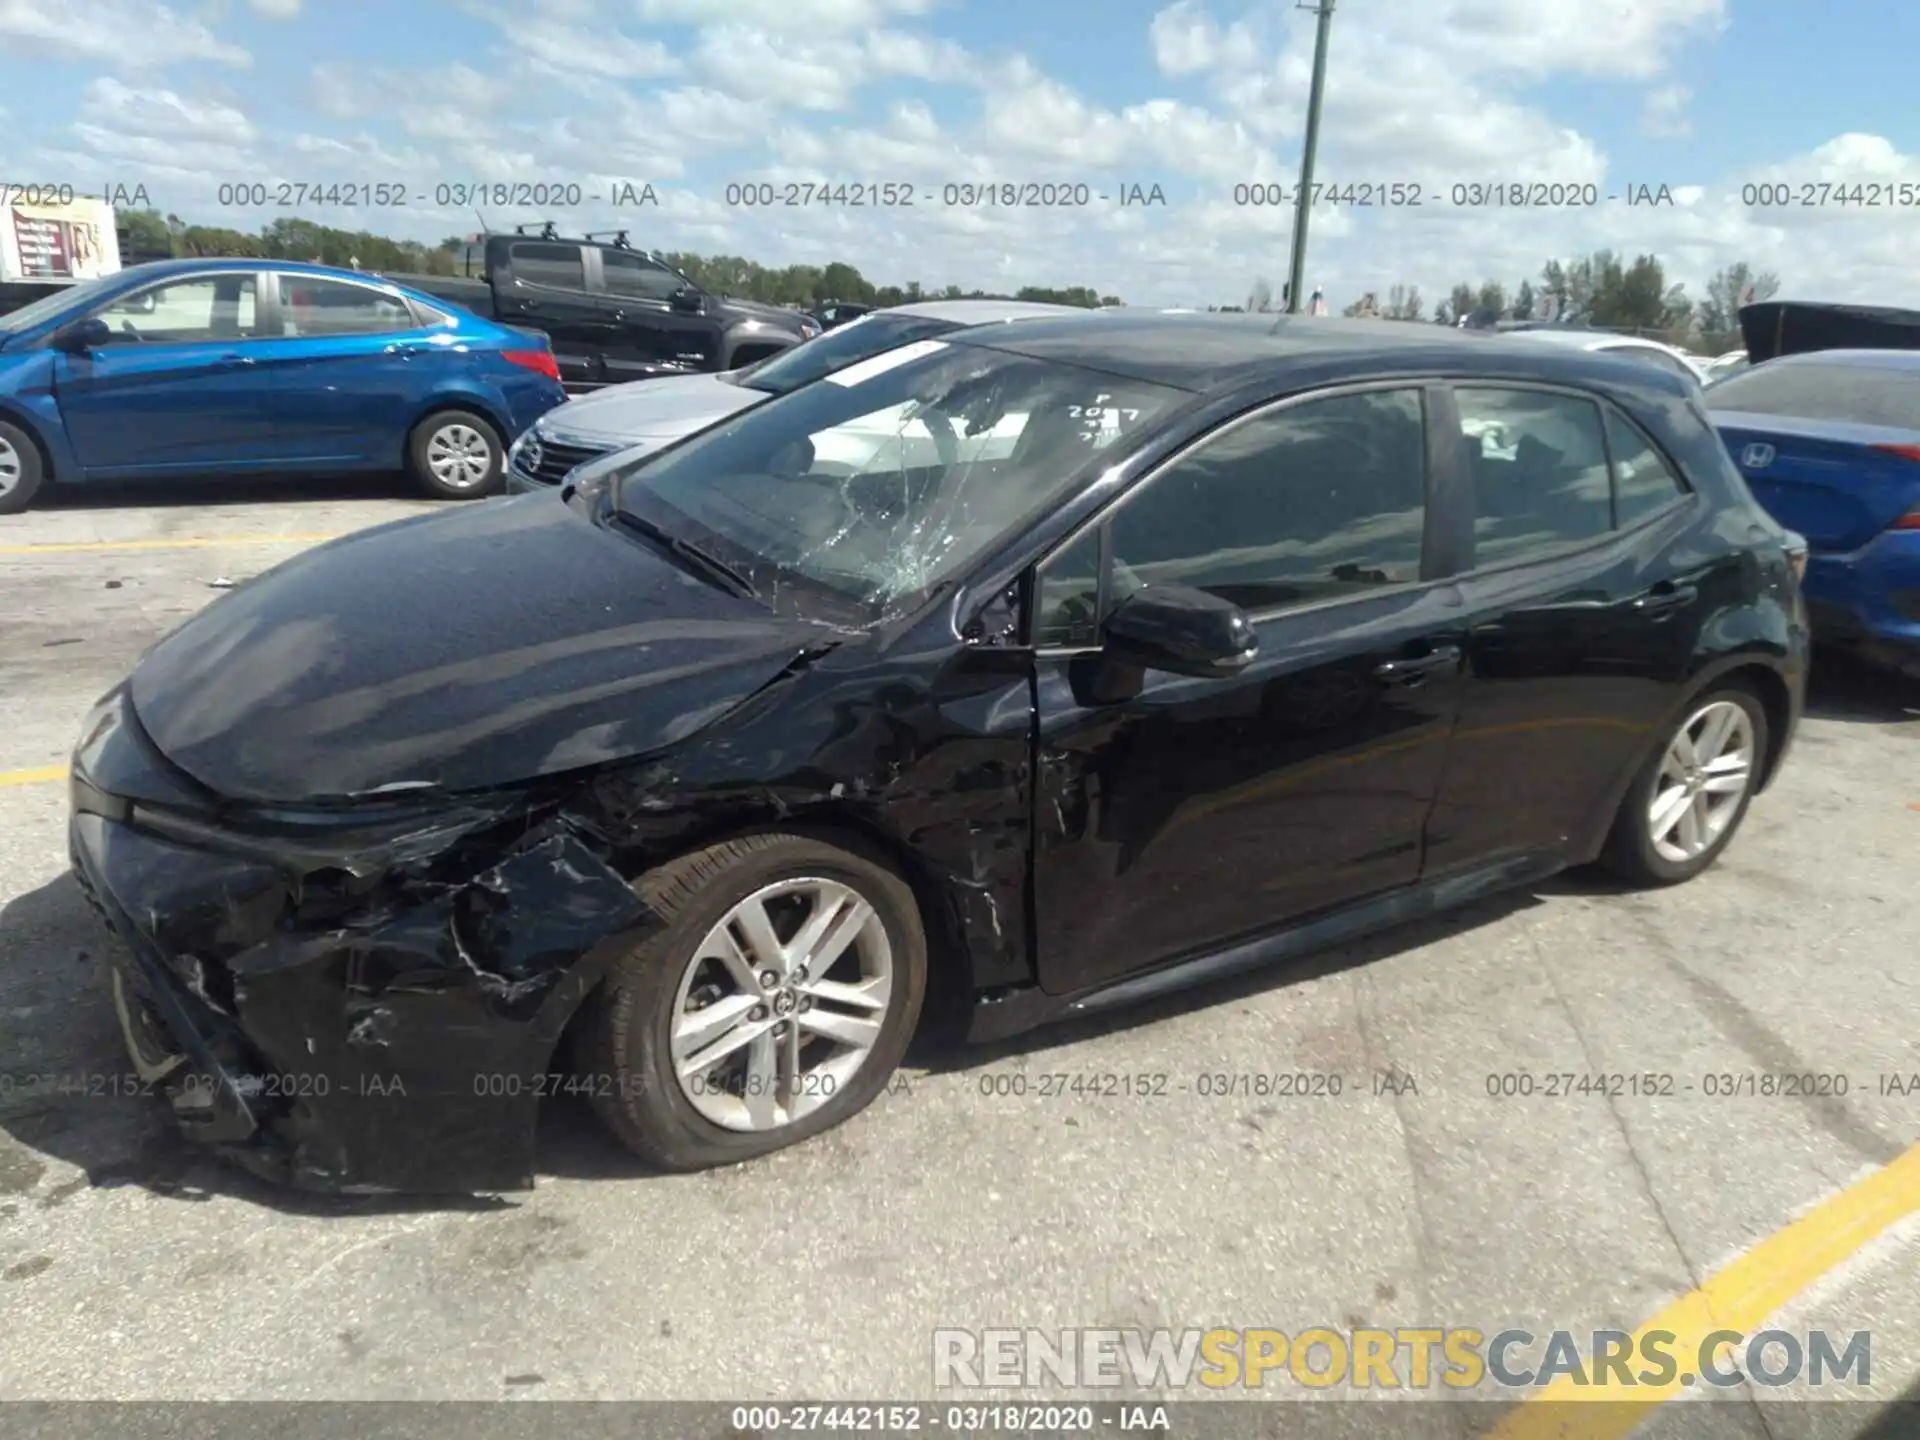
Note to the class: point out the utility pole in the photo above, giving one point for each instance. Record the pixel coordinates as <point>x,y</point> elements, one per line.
<point>1303,202</point>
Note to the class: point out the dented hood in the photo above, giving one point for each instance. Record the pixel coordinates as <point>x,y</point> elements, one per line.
<point>457,651</point>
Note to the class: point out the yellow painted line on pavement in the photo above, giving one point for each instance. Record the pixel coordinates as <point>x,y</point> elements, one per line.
<point>70,547</point>
<point>44,775</point>
<point>1740,1297</point>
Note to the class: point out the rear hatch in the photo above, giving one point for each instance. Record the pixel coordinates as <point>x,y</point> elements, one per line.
<point>1838,484</point>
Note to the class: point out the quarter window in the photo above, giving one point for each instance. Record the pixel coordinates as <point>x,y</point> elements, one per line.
<point>1540,472</point>
<point>1307,503</point>
<point>313,307</point>
<point>211,307</point>
<point>1643,485</point>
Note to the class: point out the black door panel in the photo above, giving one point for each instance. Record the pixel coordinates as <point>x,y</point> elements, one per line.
<point>1175,814</point>
<point>1578,634</point>
<point>1204,810</point>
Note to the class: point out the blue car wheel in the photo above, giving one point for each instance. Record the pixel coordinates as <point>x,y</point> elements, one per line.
<point>21,473</point>
<point>456,455</point>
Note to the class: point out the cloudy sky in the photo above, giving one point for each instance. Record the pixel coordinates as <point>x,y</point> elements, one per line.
<point>1704,97</point>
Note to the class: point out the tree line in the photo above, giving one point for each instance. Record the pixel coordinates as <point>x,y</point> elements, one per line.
<point>1603,289</point>
<point>149,234</point>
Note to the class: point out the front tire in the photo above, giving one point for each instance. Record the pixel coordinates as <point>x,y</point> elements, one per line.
<point>1689,798</point>
<point>456,455</point>
<point>21,473</point>
<point>775,1004</point>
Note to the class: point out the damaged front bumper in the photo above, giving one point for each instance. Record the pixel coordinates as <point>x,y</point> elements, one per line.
<point>383,1023</point>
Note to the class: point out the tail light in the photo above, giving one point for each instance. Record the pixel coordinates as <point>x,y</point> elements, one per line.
<point>1910,520</point>
<point>541,361</point>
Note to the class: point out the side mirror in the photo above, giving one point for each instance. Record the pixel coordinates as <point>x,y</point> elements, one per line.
<point>84,335</point>
<point>1181,631</point>
<point>688,301</point>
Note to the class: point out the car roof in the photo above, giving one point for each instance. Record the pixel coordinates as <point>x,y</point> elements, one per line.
<point>1201,352</point>
<point>1594,339</point>
<point>977,312</point>
<point>1851,359</point>
<point>191,265</point>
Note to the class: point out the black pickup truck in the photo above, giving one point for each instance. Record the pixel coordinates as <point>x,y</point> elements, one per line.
<point>615,313</point>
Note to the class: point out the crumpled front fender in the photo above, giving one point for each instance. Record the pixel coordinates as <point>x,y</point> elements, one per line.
<point>404,1048</point>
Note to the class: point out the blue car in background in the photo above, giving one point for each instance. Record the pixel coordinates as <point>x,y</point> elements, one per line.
<point>211,367</point>
<point>1829,443</point>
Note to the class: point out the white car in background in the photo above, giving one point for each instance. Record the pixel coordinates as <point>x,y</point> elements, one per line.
<point>1631,347</point>
<point>632,420</point>
<point>1731,363</point>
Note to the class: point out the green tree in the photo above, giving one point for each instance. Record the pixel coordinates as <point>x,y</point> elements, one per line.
<point>143,232</point>
<point>1717,317</point>
<point>1523,301</point>
<point>1403,303</point>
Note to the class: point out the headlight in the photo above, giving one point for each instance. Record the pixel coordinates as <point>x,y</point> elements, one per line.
<point>524,456</point>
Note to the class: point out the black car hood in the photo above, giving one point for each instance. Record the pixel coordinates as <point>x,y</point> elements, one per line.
<point>461,651</point>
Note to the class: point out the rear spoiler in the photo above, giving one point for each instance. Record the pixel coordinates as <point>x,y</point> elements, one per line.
<point>1794,327</point>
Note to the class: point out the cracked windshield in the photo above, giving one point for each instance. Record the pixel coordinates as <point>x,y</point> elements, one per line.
<point>882,481</point>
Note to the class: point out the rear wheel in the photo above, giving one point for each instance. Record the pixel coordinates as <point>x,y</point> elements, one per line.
<point>1683,808</point>
<point>456,455</point>
<point>775,1003</point>
<point>21,473</point>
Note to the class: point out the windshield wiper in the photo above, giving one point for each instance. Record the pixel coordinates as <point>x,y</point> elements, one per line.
<point>689,554</point>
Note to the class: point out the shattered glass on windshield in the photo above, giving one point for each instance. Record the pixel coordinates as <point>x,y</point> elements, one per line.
<point>882,480</point>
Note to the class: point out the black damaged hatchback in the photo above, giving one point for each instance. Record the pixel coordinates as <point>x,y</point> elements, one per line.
<point>1063,663</point>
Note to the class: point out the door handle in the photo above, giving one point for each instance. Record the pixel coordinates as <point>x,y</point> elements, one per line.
<point>236,362</point>
<point>1414,669</point>
<point>1665,597</point>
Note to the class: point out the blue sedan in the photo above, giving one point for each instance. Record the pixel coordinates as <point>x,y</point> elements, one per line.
<point>1829,442</point>
<point>217,367</point>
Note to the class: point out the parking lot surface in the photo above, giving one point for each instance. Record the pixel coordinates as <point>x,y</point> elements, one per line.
<point>1009,1186</point>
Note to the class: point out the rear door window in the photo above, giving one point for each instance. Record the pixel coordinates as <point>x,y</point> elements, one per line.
<point>558,267</point>
<point>1539,463</point>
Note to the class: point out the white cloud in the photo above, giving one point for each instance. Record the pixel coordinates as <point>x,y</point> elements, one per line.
<point>124,34</point>
<point>164,114</point>
<point>742,59</point>
<point>693,94</point>
<point>276,9</point>
<point>1186,41</point>
<point>788,17</point>
<point>1664,112</point>
<point>566,39</point>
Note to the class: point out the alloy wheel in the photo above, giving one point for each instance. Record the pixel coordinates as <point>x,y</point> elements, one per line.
<point>1704,775</point>
<point>12,467</point>
<point>781,1004</point>
<point>459,457</point>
